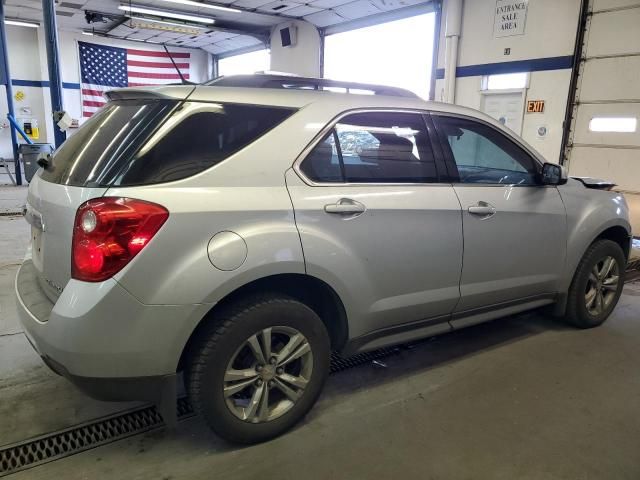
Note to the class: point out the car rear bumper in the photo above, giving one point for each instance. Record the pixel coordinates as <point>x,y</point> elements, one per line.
<point>148,388</point>
<point>102,338</point>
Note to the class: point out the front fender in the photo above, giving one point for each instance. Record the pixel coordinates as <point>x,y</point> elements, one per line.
<point>589,213</point>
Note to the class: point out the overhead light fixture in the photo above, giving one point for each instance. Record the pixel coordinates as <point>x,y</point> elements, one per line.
<point>193,3</point>
<point>85,32</point>
<point>20,23</point>
<point>166,26</point>
<point>145,20</point>
<point>164,13</point>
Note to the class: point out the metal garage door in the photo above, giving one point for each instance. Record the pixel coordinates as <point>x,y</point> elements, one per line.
<point>608,88</point>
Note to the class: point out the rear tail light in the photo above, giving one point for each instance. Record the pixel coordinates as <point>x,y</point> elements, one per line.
<point>109,232</point>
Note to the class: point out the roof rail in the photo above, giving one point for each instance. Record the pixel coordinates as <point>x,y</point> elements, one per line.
<point>303,83</point>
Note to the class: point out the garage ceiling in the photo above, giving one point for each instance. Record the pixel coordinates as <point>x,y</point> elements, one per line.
<point>233,31</point>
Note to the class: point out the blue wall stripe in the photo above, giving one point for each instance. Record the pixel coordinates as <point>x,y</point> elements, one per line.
<point>533,65</point>
<point>42,83</point>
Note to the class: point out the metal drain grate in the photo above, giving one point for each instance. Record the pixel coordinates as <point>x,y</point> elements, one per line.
<point>54,446</point>
<point>339,364</point>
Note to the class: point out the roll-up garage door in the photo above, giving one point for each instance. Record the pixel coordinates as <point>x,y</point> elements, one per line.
<point>604,140</point>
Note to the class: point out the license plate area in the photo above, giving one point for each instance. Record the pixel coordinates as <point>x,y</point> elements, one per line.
<point>37,248</point>
<point>34,218</point>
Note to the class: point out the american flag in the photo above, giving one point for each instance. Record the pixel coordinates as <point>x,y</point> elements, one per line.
<point>104,68</point>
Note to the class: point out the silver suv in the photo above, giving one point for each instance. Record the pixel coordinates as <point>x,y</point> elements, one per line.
<point>239,231</point>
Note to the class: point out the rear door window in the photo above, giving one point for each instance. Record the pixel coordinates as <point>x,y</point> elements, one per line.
<point>146,142</point>
<point>374,147</point>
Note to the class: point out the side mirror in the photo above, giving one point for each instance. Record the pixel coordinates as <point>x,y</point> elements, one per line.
<point>553,174</point>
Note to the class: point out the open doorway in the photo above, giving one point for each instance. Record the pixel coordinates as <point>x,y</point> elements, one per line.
<point>245,63</point>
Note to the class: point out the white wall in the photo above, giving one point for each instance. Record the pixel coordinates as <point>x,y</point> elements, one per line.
<point>28,61</point>
<point>24,64</point>
<point>302,58</point>
<point>550,32</point>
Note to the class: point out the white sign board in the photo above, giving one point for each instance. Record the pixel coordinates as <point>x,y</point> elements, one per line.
<point>511,16</point>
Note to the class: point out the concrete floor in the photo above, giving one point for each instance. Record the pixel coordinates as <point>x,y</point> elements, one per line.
<point>523,397</point>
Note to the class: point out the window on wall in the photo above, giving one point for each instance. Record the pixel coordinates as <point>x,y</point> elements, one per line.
<point>397,53</point>
<point>245,63</point>
<point>613,124</point>
<point>505,81</point>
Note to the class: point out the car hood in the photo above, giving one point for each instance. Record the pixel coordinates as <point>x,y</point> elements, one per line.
<point>595,183</point>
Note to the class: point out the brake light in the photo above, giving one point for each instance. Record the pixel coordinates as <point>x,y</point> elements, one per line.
<point>110,231</point>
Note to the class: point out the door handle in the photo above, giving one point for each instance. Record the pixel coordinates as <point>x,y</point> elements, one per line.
<point>482,209</point>
<point>345,206</point>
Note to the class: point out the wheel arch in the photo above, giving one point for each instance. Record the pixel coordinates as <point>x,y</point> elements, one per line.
<point>313,292</point>
<point>616,232</point>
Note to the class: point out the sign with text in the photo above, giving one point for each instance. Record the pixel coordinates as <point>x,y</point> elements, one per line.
<point>510,19</point>
<point>535,106</point>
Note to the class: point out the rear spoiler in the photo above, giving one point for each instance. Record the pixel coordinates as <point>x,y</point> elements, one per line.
<point>595,183</point>
<point>162,92</point>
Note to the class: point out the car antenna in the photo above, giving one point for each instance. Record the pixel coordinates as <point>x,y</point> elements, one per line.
<point>184,82</point>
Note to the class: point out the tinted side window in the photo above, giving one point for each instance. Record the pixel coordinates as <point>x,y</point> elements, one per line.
<point>484,155</point>
<point>140,142</point>
<point>375,147</point>
<point>199,141</point>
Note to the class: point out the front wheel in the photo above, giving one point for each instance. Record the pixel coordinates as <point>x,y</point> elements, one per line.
<point>259,369</point>
<point>597,284</point>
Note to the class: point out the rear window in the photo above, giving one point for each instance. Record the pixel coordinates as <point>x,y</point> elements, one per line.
<point>141,142</point>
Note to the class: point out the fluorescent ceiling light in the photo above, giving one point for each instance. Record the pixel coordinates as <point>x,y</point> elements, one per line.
<point>22,24</point>
<point>613,124</point>
<point>192,3</point>
<point>90,34</point>
<point>164,13</point>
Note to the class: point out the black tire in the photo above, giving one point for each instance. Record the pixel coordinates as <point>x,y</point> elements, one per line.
<point>219,344</point>
<point>577,312</point>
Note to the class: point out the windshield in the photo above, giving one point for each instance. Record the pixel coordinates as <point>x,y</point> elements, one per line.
<point>92,156</point>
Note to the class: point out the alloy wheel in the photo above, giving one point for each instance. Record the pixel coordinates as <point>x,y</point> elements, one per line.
<point>268,374</point>
<point>602,285</point>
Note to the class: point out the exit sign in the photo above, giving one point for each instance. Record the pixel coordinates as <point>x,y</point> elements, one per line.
<point>535,106</point>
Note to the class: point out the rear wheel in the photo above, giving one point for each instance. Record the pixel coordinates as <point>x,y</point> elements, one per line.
<point>597,284</point>
<point>259,368</point>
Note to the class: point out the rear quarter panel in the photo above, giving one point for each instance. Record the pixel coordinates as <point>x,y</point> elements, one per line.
<point>174,269</point>
<point>245,194</point>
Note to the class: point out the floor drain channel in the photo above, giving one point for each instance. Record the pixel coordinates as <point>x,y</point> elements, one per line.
<point>55,446</point>
<point>339,364</point>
